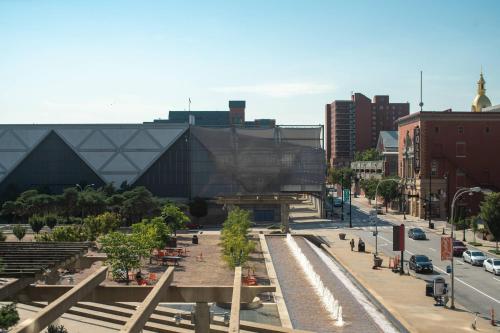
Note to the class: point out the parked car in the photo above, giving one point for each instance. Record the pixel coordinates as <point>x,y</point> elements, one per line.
<point>416,233</point>
<point>420,263</point>
<point>474,257</point>
<point>492,265</point>
<point>337,202</point>
<point>458,248</point>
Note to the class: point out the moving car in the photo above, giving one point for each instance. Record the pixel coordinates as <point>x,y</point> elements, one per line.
<point>416,233</point>
<point>420,263</point>
<point>492,265</point>
<point>474,257</point>
<point>458,248</point>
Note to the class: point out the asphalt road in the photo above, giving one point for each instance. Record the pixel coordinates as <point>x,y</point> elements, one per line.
<point>475,289</point>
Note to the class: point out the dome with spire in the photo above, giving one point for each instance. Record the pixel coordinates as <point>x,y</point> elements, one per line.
<point>481,101</point>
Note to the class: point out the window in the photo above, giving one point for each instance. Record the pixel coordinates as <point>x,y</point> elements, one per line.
<point>434,167</point>
<point>460,130</point>
<point>460,178</point>
<point>461,152</point>
<point>436,129</point>
<point>487,130</point>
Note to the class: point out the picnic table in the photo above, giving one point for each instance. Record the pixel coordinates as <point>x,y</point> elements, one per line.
<point>176,250</point>
<point>172,259</point>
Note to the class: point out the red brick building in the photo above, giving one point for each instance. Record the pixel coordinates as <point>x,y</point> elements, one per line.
<point>443,151</point>
<point>354,125</point>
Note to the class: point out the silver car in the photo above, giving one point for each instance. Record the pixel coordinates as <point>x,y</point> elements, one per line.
<point>474,257</point>
<point>492,265</point>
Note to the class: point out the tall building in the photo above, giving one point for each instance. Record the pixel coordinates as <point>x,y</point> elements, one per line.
<point>481,101</point>
<point>354,125</point>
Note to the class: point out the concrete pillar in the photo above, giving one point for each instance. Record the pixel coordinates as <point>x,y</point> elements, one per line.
<point>284,217</point>
<point>202,318</point>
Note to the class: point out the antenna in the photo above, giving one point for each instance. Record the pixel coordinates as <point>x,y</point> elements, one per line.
<point>421,104</point>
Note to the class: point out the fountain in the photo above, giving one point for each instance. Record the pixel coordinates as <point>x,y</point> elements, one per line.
<point>329,302</point>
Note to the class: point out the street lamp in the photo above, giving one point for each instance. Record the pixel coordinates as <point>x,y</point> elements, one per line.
<point>458,194</point>
<point>376,219</point>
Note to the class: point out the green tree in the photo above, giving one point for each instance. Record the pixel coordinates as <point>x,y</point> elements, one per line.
<point>154,233</point>
<point>51,220</point>
<point>91,202</point>
<point>388,190</point>
<point>490,214</point>
<point>173,217</point>
<point>36,222</point>
<point>8,316</point>
<point>101,224</point>
<point>340,176</point>
<point>56,329</point>
<point>139,203</point>
<point>236,245</point>
<point>474,225</point>
<point>19,231</point>
<point>369,186</point>
<point>124,253</point>
<point>68,202</point>
<point>198,207</point>
<point>70,233</point>
<point>370,154</point>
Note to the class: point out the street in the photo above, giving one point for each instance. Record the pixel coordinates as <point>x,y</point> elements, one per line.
<point>475,289</point>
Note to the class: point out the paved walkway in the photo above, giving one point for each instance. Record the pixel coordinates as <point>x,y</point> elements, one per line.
<point>403,296</point>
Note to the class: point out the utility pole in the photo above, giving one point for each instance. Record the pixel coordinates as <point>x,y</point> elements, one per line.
<point>342,195</point>
<point>430,194</point>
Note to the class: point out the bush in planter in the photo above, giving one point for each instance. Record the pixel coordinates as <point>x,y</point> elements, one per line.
<point>37,222</point>
<point>51,220</point>
<point>19,231</point>
<point>56,329</point>
<point>8,316</point>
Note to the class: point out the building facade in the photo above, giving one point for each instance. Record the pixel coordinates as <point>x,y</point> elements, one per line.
<point>354,125</point>
<point>440,152</point>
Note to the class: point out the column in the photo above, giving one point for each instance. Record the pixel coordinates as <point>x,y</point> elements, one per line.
<point>201,318</point>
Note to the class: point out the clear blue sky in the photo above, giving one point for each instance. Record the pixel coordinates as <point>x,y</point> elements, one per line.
<point>132,61</point>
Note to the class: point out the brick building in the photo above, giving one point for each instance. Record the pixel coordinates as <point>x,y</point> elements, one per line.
<point>443,151</point>
<point>354,125</point>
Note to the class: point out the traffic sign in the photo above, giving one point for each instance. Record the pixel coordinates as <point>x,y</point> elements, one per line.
<point>347,194</point>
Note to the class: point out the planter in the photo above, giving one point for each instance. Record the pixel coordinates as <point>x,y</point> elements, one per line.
<point>342,236</point>
<point>377,262</point>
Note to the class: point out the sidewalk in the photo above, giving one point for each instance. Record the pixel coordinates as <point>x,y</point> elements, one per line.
<point>396,217</point>
<point>403,296</point>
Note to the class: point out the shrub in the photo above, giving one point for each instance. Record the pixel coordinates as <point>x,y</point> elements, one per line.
<point>51,220</point>
<point>2,236</point>
<point>19,231</point>
<point>56,329</point>
<point>101,224</point>
<point>44,237</point>
<point>8,316</point>
<point>73,233</point>
<point>36,222</point>
<point>152,233</point>
<point>173,217</point>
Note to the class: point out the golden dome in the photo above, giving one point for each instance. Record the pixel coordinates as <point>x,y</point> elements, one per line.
<point>481,101</point>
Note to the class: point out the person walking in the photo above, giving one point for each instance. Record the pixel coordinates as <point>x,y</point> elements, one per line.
<point>352,244</point>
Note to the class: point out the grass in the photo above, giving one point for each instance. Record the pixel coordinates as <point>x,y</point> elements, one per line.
<point>494,251</point>
<point>475,243</point>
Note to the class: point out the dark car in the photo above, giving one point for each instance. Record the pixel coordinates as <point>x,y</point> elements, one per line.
<point>420,263</point>
<point>416,233</point>
<point>458,248</point>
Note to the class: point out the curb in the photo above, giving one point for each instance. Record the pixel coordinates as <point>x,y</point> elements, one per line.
<point>370,294</point>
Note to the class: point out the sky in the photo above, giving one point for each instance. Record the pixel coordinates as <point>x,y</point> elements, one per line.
<point>133,61</point>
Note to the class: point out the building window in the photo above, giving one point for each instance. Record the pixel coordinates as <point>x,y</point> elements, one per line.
<point>460,179</point>
<point>434,167</point>
<point>460,130</point>
<point>487,130</point>
<point>436,129</point>
<point>461,152</point>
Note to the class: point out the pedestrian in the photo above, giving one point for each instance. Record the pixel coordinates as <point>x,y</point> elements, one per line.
<point>352,244</point>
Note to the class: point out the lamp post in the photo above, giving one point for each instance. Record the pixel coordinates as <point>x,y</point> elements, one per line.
<point>376,220</point>
<point>458,194</point>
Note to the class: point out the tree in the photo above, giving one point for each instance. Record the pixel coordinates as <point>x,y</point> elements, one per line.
<point>154,233</point>
<point>19,231</point>
<point>369,186</point>
<point>91,202</point>
<point>124,253</point>
<point>36,222</point>
<point>56,329</point>
<point>370,154</point>
<point>490,214</point>
<point>139,203</point>
<point>340,176</point>
<point>101,224</point>
<point>173,217</point>
<point>389,191</point>
<point>474,225</point>
<point>198,207</point>
<point>8,316</point>
<point>236,245</point>
<point>69,201</point>
<point>51,220</point>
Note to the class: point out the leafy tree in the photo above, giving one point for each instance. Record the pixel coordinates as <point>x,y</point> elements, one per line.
<point>101,224</point>
<point>236,245</point>
<point>115,202</point>
<point>69,201</point>
<point>370,154</point>
<point>124,253</point>
<point>474,225</point>
<point>198,207</point>
<point>56,329</point>
<point>340,176</point>
<point>369,186</point>
<point>71,233</point>
<point>36,222</point>
<point>51,220</point>
<point>91,202</point>
<point>490,214</point>
<point>173,217</point>
<point>153,233</point>
<point>8,316</point>
<point>138,204</point>
<point>389,191</point>
<point>19,231</point>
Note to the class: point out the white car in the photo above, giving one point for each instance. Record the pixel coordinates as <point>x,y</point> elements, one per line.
<point>474,257</point>
<point>492,265</point>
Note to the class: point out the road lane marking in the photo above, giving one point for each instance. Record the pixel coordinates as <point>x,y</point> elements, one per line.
<point>468,285</point>
<point>496,279</point>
